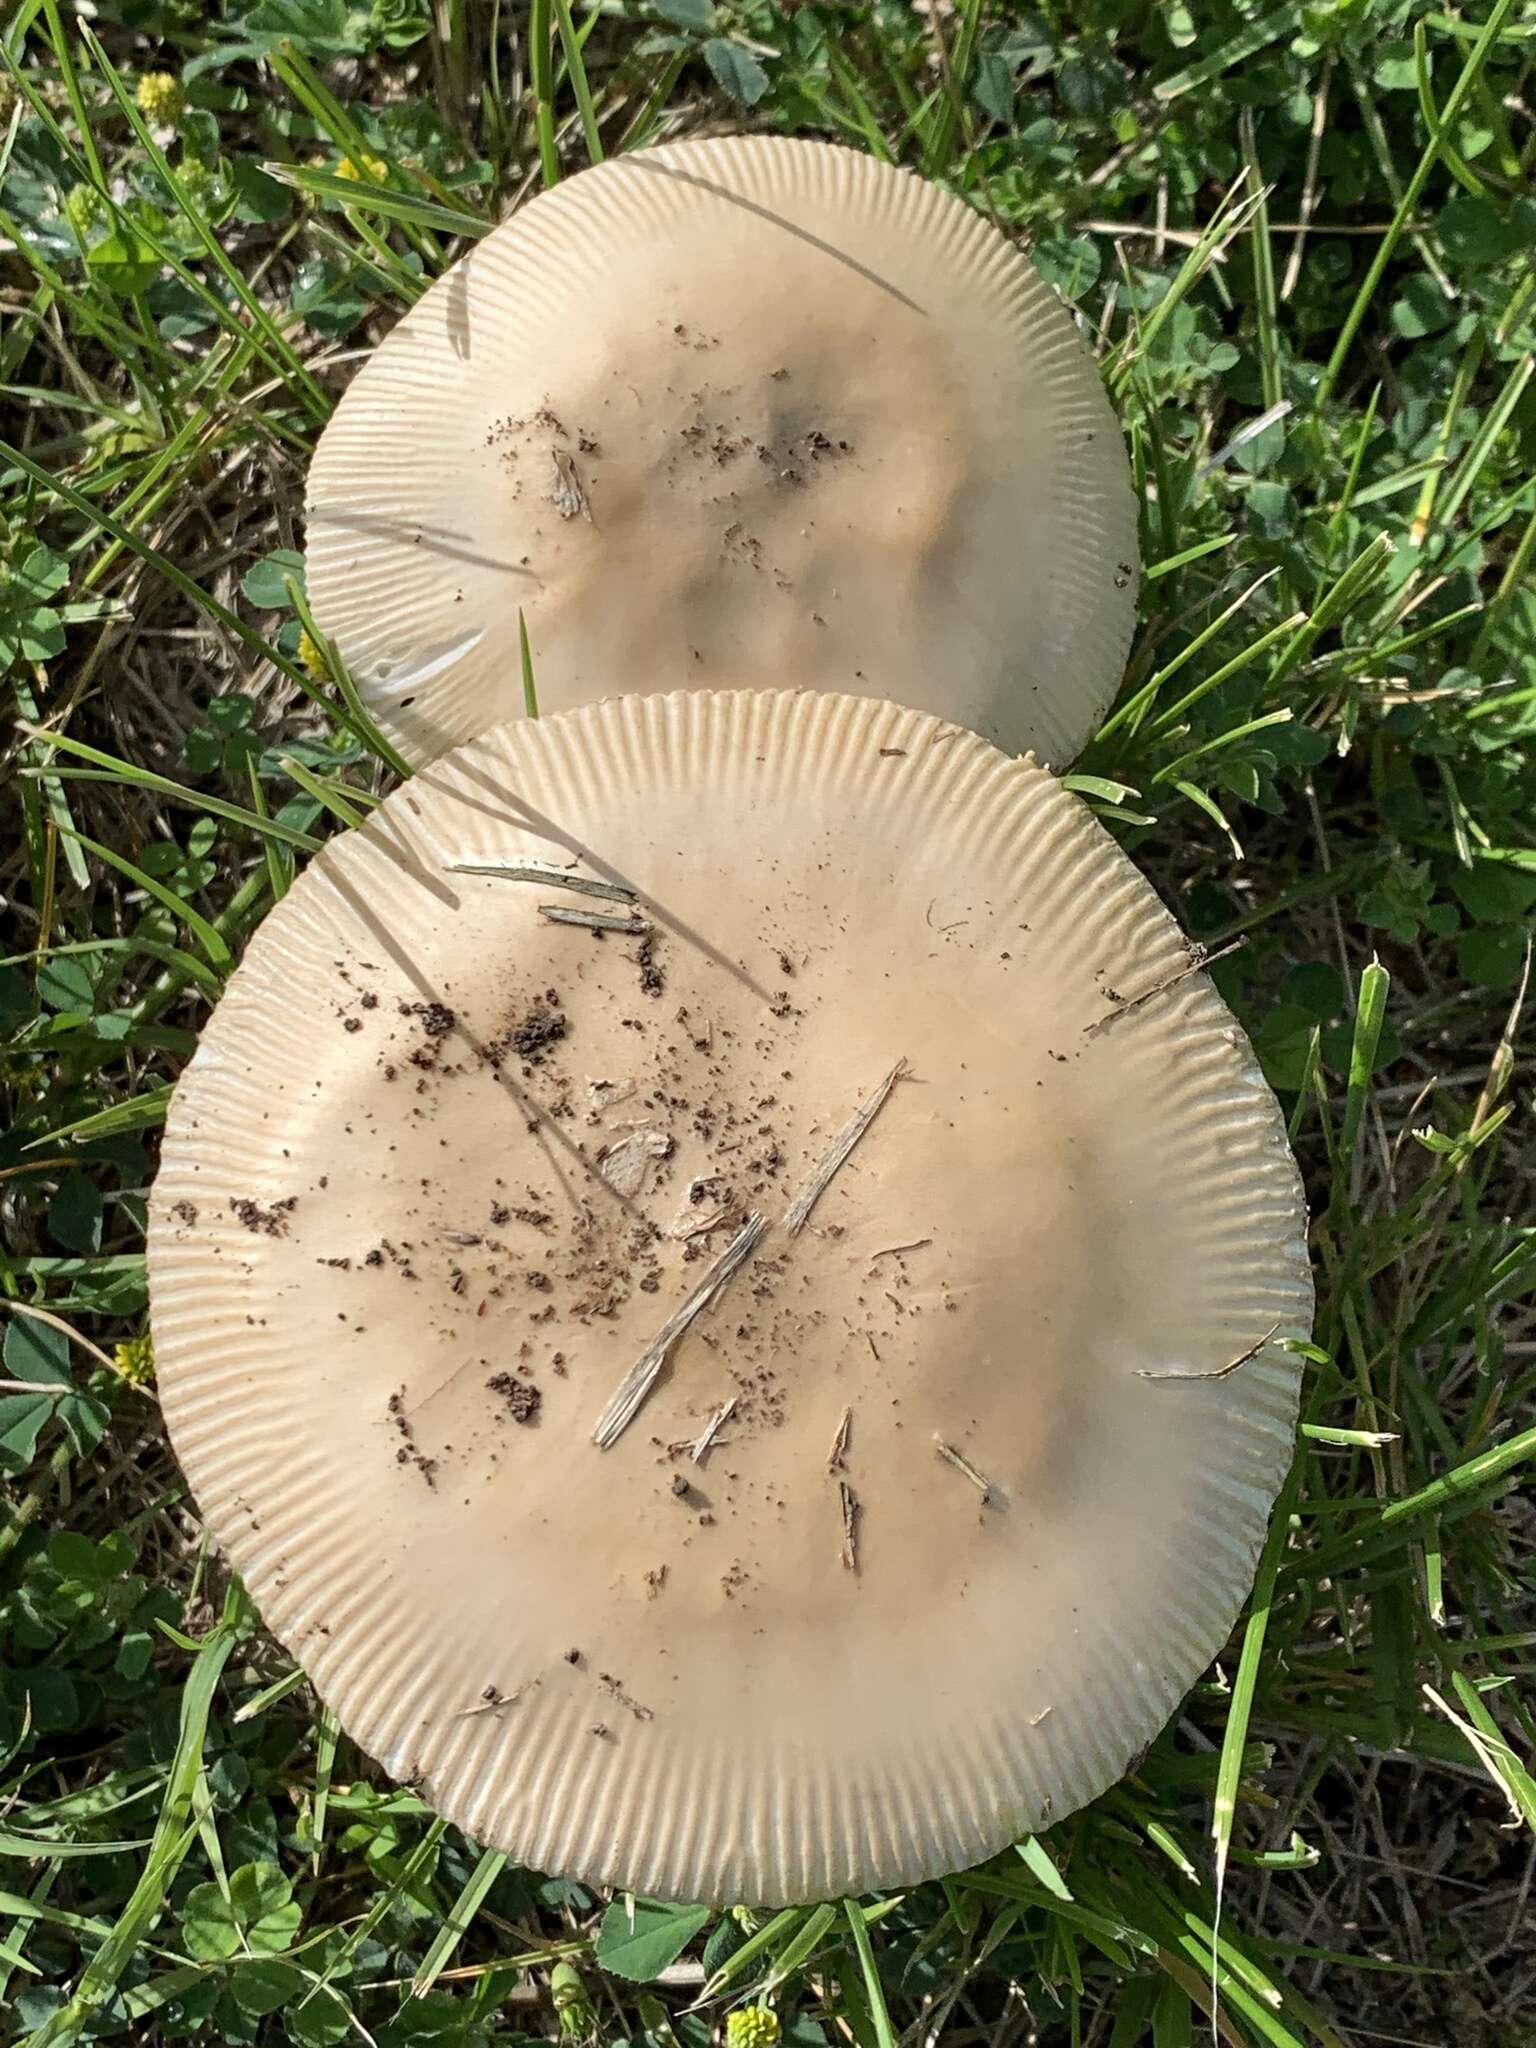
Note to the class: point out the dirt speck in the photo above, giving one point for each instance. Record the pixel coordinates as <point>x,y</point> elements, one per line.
<point>408,1453</point>
<point>523,1399</point>
<point>541,1026</point>
<point>652,980</point>
<point>272,1221</point>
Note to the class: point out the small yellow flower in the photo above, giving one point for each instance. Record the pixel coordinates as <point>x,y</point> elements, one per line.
<point>311,660</point>
<point>9,94</point>
<point>135,1360</point>
<point>752,2026</point>
<point>82,208</point>
<point>372,168</point>
<point>160,99</point>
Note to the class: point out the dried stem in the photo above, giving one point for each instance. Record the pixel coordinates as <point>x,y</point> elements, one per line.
<point>712,1429</point>
<point>1220,1372</point>
<point>592,920</point>
<point>491,1701</point>
<point>1126,1004</point>
<point>630,1394</point>
<point>796,1215</point>
<point>839,1448</point>
<point>851,1512</point>
<point>547,873</point>
<point>961,1463</point>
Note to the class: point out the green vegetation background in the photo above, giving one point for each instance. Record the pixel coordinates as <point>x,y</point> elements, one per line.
<point>1301,239</point>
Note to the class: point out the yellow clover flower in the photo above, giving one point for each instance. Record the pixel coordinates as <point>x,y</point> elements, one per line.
<point>752,2026</point>
<point>134,1360</point>
<point>160,98</point>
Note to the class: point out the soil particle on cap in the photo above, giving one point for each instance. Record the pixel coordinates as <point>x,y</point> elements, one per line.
<point>351,1023</point>
<point>185,1211</point>
<point>272,1221</point>
<point>652,980</point>
<point>541,1026</point>
<point>573,1656</point>
<point>408,1453</point>
<point>523,1399</point>
<point>437,1020</point>
<point>601,1268</point>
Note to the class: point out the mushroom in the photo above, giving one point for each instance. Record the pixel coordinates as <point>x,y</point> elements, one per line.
<point>878,1518</point>
<point>763,407</point>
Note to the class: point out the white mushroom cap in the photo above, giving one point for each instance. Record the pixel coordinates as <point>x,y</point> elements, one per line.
<point>760,408</point>
<point>443,1168</point>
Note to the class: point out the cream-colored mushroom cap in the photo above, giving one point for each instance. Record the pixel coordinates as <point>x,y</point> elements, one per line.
<point>761,410</point>
<point>748,1406</point>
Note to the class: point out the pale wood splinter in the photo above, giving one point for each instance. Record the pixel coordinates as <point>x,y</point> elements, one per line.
<point>836,1154</point>
<point>712,1429</point>
<point>629,1396</point>
<point>839,1450</point>
<point>547,873</point>
<point>593,920</point>
<point>961,1463</point>
<point>851,1508</point>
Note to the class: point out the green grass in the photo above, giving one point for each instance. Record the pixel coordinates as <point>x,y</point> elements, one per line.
<point>1300,238</point>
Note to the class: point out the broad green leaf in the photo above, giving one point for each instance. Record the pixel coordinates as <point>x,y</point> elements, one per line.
<point>640,1942</point>
<point>74,1214</point>
<point>262,1985</point>
<point>736,70</point>
<point>123,262</point>
<point>265,584</point>
<point>208,1929</point>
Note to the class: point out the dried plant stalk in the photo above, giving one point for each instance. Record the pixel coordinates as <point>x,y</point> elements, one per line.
<point>836,1154</point>
<point>629,1396</point>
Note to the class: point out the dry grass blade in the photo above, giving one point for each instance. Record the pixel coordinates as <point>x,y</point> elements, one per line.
<point>839,1447</point>
<point>632,1391</point>
<point>836,1154</point>
<point>848,1502</point>
<point>592,920</point>
<point>711,1430</point>
<point>545,872</point>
